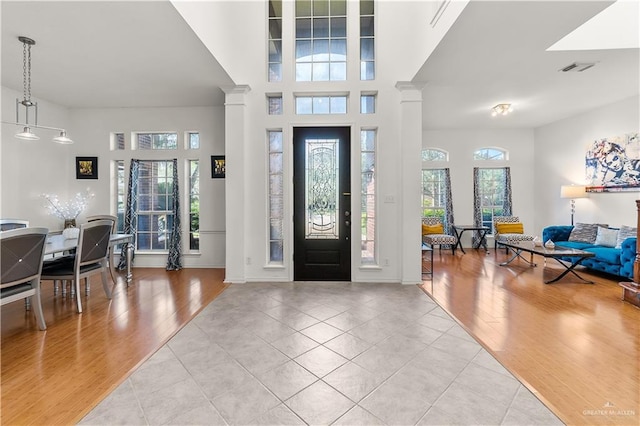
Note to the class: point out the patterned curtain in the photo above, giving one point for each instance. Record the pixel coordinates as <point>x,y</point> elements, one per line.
<point>174,261</point>
<point>477,209</point>
<point>506,208</point>
<point>131,212</point>
<point>448,211</point>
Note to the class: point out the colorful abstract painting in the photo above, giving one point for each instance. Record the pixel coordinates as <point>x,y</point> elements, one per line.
<point>613,164</point>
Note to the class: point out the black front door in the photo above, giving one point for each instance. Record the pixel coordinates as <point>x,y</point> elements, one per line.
<point>322,204</point>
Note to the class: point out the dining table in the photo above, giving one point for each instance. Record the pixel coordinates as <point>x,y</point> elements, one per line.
<point>57,243</point>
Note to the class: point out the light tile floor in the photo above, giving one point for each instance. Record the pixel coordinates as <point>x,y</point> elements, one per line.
<point>320,354</point>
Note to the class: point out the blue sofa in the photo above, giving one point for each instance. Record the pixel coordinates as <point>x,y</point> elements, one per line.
<point>607,259</point>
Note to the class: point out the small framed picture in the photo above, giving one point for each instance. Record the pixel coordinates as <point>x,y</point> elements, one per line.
<point>218,166</point>
<point>86,167</point>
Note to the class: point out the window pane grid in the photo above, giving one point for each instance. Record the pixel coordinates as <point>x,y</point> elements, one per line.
<point>157,141</point>
<point>432,154</point>
<point>274,44</point>
<point>490,154</point>
<point>321,105</point>
<point>155,198</point>
<point>194,140</point>
<point>274,104</point>
<point>321,43</point>
<point>367,40</point>
<point>434,192</point>
<point>118,141</point>
<point>121,201</point>
<point>368,197</point>
<point>194,205</point>
<point>367,104</point>
<point>276,197</point>
<point>491,192</point>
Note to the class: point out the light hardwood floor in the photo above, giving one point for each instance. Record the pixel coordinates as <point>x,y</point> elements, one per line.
<point>56,376</point>
<point>577,346</point>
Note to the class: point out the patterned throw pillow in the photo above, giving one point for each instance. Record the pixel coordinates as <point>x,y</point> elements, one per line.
<point>624,233</point>
<point>510,228</point>
<point>584,233</point>
<point>432,229</point>
<point>607,237</point>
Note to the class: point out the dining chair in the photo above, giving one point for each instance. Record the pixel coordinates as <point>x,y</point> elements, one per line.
<point>21,254</point>
<point>114,229</point>
<point>91,258</point>
<point>9,224</point>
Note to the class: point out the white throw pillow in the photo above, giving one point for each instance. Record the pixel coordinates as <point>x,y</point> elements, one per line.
<point>607,237</point>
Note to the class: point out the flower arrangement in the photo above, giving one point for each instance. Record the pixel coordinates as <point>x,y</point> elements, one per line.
<point>67,210</point>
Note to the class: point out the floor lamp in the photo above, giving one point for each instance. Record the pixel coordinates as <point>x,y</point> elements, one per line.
<point>573,192</point>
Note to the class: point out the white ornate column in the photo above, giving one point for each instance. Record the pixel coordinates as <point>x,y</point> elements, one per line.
<point>410,181</point>
<point>235,181</point>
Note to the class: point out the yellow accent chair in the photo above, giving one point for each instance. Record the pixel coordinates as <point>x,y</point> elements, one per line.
<point>433,233</point>
<point>508,229</point>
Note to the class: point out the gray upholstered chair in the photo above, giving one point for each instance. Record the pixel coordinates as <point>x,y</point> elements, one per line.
<point>21,253</point>
<point>438,238</point>
<point>512,232</point>
<point>9,224</point>
<point>91,258</point>
<point>114,229</point>
<point>114,219</point>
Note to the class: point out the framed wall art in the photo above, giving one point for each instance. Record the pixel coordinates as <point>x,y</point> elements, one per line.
<point>86,167</point>
<point>613,164</point>
<point>218,166</point>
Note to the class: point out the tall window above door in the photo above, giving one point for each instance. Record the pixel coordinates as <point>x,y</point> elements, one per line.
<point>321,40</point>
<point>275,40</point>
<point>367,41</point>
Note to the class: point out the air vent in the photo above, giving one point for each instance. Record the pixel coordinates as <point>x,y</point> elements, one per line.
<point>577,67</point>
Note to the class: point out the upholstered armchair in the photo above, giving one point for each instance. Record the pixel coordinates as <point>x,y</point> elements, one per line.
<point>433,233</point>
<point>507,229</point>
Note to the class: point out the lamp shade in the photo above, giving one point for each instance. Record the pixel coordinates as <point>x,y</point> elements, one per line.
<point>573,191</point>
<point>27,134</point>
<point>63,139</point>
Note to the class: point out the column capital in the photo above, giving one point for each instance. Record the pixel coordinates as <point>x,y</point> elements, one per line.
<point>409,85</point>
<point>410,91</point>
<point>238,89</point>
<point>234,95</point>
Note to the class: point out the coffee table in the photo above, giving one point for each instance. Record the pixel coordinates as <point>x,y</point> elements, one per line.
<point>558,252</point>
<point>459,230</point>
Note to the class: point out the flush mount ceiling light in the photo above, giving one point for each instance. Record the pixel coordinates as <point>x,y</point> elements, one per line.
<point>28,104</point>
<point>501,109</point>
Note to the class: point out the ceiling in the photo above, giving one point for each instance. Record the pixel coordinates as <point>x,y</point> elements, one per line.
<point>496,52</point>
<point>93,54</point>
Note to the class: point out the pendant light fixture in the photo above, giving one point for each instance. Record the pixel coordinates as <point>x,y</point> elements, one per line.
<point>28,104</point>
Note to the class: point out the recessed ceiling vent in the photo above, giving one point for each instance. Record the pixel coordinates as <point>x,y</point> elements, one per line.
<point>577,67</point>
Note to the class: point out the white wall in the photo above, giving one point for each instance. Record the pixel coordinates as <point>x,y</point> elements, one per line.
<point>92,130</point>
<point>32,168</point>
<point>461,144</point>
<point>250,69</point>
<point>560,160</point>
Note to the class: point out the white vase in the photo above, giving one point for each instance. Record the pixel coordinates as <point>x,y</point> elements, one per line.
<point>549,244</point>
<point>71,233</point>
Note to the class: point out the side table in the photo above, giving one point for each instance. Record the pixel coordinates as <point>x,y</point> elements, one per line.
<point>459,230</point>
